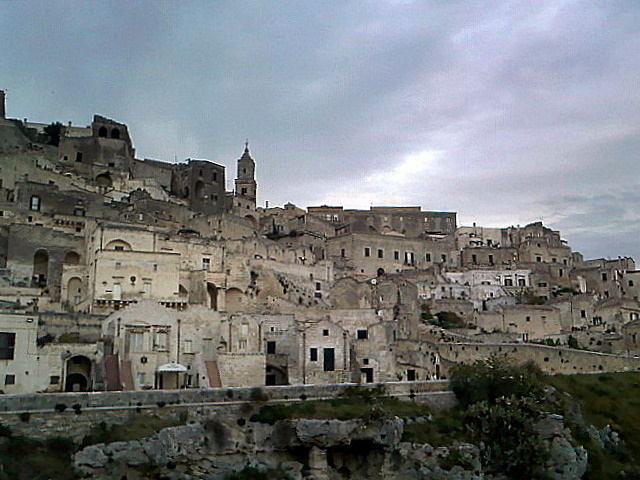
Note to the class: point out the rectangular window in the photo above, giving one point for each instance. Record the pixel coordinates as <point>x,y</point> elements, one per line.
<point>325,333</point>
<point>160,341</point>
<point>396,255</point>
<point>508,282</point>
<point>538,259</point>
<point>271,347</point>
<point>188,346</point>
<point>542,284</point>
<point>9,379</point>
<point>141,378</point>
<point>34,203</point>
<point>380,253</point>
<point>146,286</point>
<point>427,257</point>
<point>560,273</point>
<point>411,375</point>
<point>367,252</point>
<point>78,156</point>
<point>244,330</point>
<point>527,319</point>
<point>318,286</point>
<point>329,364</point>
<point>136,341</point>
<point>54,379</point>
<point>554,260</point>
<point>342,252</point>
<point>631,283</point>
<point>522,282</point>
<point>474,258</point>
<point>362,334</point>
<point>7,345</point>
<point>313,355</point>
<point>583,314</point>
<point>604,277</point>
<point>443,257</point>
<point>118,265</point>
<point>206,264</point>
<point>491,259</point>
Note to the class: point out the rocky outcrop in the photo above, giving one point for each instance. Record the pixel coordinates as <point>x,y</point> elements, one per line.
<point>310,450</point>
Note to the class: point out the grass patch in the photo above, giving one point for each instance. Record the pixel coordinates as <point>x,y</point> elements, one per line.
<point>607,399</point>
<point>364,403</point>
<point>136,428</point>
<point>440,430</point>
<point>25,459</point>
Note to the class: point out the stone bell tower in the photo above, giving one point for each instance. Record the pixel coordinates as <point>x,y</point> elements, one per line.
<point>246,186</point>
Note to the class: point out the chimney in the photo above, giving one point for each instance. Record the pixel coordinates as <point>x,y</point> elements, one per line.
<point>3,112</point>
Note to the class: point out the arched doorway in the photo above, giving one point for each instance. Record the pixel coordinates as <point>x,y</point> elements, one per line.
<point>74,291</point>
<point>40,268</point>
<point>212,294</point>
<point>104,180</point>
<point>199,189</point>
<point>78,377</point>
<point>233,300</point>
<point>72,258</point>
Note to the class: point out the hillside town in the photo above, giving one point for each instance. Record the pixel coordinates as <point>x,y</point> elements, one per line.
<point>119,273</point>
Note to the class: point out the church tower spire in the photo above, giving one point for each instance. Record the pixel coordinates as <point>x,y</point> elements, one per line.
<point>246,185</point>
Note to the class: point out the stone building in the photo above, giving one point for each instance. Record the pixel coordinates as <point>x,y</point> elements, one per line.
<point>142,274</point>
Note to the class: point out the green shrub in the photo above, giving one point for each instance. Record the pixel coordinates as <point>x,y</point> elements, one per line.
<point>258,395</point>
<point>509,444</point>
<point>491,379</point>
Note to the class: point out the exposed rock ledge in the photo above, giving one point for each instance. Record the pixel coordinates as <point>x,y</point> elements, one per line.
<point>305,449</point>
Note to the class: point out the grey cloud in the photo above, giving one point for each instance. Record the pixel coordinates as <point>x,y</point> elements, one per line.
<point>525,101</point>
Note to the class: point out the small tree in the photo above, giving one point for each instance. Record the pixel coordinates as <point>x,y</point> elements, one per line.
<point>572,342</point>
<point>53,133</point>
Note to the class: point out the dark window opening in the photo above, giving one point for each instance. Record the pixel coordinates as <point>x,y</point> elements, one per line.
<point>313,355</point>
<point>362,334</point>
<point>271,347</point>
<point>7,345</point>
<point>78,156</point>
<point>9,379</point>
<point>411,375</point>
<point>325,333</point>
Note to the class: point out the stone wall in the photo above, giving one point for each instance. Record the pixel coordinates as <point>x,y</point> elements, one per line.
<point>40,415</point>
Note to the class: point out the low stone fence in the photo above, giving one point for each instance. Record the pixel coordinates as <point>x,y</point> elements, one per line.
<point>73,415</point>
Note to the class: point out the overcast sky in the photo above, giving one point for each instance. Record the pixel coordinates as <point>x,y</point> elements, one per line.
<point>506,112</point>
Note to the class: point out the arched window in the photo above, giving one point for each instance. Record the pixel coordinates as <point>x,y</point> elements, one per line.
<point>118,245</point>
<point>102,132</point>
